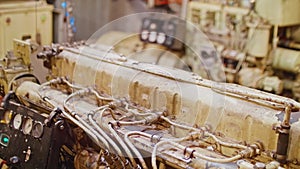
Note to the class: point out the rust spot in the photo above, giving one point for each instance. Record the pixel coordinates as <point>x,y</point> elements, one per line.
<point>8,20</point>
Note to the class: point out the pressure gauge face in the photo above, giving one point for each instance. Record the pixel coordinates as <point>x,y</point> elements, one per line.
<point>27,126</point>
<point>17,121</point>
<point>37,130</point>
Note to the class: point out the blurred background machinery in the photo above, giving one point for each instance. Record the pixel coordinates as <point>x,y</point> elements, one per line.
<point>259,47</point>
<point>24,20</point>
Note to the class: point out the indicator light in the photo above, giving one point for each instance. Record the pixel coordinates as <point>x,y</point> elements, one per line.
<point>4,140</point>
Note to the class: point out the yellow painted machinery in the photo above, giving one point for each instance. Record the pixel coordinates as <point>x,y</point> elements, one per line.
<point>128,114</point>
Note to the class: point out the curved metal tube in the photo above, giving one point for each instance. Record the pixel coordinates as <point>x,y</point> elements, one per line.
<point>256,95</point>
<point>127,151</point>
<point>83,92</point>
<point>103,140</point>
<point>239,146</point>
<point>102,110</point>
<point>112,143</point>
<point>179,125</point>
<point>83,127</point>
<point>149,119</point>
<point>136,113</point>
<point>70,84</point>
<point>132,147</point>
<point>204,157</point>
<point>87,126</point>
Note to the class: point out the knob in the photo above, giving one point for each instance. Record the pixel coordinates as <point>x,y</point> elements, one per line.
<point>14,159</point>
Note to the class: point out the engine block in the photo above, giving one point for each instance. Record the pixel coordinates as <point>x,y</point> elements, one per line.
<point>136,114</point>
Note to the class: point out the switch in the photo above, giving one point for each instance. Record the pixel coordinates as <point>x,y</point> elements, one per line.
<point>27,154</point>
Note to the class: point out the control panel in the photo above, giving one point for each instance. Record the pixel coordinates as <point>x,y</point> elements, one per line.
<point>26,140</point>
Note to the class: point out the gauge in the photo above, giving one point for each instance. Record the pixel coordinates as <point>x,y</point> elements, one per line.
<point>17,121</point>
<point>6,117</point>
<point>27,126</point>
<point>37,130</point>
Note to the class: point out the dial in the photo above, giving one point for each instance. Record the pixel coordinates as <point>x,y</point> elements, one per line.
<point>17,121</point>
<point>27,126</point>
<point>6,117</point>
<point>37,130</point>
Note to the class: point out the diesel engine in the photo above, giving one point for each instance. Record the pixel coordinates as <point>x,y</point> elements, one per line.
<point>100,109</point>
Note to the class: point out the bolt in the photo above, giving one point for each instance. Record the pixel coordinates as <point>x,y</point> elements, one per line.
<point>61,127</point>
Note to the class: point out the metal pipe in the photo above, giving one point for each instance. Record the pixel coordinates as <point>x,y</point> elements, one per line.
<point>70,84</point>
<point>127,151</point>
<point>194,153</point>
<point>206,133</point>
<point>139,156</point>
<point>283,137</point>
<point>103,140</point>
<point>240,146</point>
<point>100,97</point>
<point>112,143</point>
<point>147,120</point>
<point>68,116</point>
<point>50,102</point>
<point>102,110</point>
<point>86,91</point>
<point>257,95</point>
<point>87,126</point>
<point>135,151</point>
<point>184,7</point>
<point>275,37</point>
<point>204,83</point>
<point>47,84</point>
<point>59,80</point>
<point>180,125</point>
<point>135,112</point>
<point>287,116</point>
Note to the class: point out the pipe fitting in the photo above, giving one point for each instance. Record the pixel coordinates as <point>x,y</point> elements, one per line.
<point>155,138</point>
<point>188,153</point>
